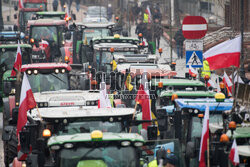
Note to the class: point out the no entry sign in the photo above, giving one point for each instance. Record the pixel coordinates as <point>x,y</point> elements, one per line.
<point>194,27</point>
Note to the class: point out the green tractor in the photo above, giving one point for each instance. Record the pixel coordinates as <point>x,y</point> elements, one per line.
<point>8,50</point>
<point>51,84</point>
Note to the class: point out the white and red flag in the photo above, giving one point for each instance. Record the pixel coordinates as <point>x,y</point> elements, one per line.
<point>211,83</point>
<point>143,97</point>
<point>18,62</point>
<point>104,101</point>
<point>20,4</point>
<point>229,85</point>
<point>234,155</point>
<point>192,72</point>
<point>204,139</point>
<point>225,54</point>
<point>149,14</point>
<point>27,102</point>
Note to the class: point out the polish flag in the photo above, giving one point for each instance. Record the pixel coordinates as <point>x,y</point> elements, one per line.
<point>204,139</point>
<point>149,14</point>
<point>18,62</point>
<point>143,98</point>
<point>44,43</point>
<point>225,54</point>
<point>229,85</point>
<point>104,101</point>
<point>192,72</point>
<point>211,83</point>
<point>234,155</point>
<point>27,102</point>
<point>20,3</point>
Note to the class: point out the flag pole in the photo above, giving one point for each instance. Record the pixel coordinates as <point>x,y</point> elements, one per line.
<point>39,113</point>
<point>130,129</point>
<point>208,157</point>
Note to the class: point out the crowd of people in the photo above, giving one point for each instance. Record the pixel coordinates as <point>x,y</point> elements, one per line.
<point>63,2</point>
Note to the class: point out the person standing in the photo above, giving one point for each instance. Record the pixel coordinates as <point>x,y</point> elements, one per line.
<point>140,28</point>
<point>179,39</point>
<point>158,32</point>
<point>77,5</point>
<point>62,4</point>
<point>110,12</point>
<point>55,5</point>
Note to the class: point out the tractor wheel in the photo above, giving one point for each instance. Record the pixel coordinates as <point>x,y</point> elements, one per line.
<point>10,148</point>
<point>74,80</point>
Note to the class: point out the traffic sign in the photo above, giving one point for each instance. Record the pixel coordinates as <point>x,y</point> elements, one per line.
<point>194,58</point>
<point>194,44</point>
<point>194,27</point>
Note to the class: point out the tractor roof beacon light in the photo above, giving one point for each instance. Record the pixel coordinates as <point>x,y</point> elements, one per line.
<point>96,135</point>
<point>224,138</point>
<point>46,133</point>
<point>66,59</point>
<point>219,97</point>
<point>232,125</point>
<point>160,84</point>
<point>206,77</point>
<point>116,18</point>
<point>32,40</point>
<point>160,50</point>
<point>112,50</point>
<point>200,115</point>
<point>116,36</point>
<point>174,96</point>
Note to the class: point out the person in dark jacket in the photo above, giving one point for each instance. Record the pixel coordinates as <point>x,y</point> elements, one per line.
<point>179,39</point>
<point>140,28</point>
<point>55,5</point>
<point>158,32</point>
<point>62,4</point>
<point>77,5</point>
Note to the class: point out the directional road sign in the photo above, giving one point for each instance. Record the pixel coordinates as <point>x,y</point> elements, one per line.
<point>194,27</point>
<point>194,58</point>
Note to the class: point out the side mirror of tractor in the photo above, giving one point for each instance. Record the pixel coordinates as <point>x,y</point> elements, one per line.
<point>7,87</point>
<point>84,82</point>
<point>15,8</point>
<point>152,132</point>
<point>15,16</point>
<point>14,116</point>
<point>25,141</point>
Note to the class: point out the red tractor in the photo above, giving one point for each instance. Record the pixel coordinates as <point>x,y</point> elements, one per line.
<point>47,39</point>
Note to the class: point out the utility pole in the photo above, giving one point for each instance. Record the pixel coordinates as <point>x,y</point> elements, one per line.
<point>170,29</point>
<point>242,70</point>
<point>1,16</point>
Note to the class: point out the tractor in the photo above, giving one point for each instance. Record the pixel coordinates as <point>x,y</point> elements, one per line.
<point>47,39</point>
<point>51,84</point>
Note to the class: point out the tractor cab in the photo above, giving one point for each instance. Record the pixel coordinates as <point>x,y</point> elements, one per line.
<point>35,4</point>
<point>187,122</point>
<point>96,149</point>
<point>46,37</point>
<point>81,35</point>
<point>26,14</point>
<point>8,51</point>
<point>102,56</point>
<point>47,76</point>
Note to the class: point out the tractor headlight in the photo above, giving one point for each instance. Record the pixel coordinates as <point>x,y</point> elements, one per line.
<point>68,145</point>
<point>55,147</point>
<point>88,103</point>
<point>125,143</point>
<point>196,111</point>
<point>190,110</point>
